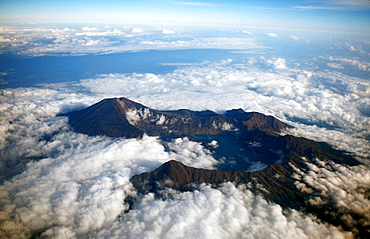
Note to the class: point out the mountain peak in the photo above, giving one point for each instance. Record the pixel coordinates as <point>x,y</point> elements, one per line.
<point>121,117</point>
<point>275,183</point>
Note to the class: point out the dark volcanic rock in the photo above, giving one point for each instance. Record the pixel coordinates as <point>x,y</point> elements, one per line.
<point>107,117</point>
<point>275,183</point>
<point>120,117</point>
<point>257,121</point>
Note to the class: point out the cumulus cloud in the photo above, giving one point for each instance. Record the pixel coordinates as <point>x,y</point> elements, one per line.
<point>67,184</point>
<point>364,66</point>
<point>81,190</point>
<point>191,153</point>
<point>334,102</point>
<point>342,184</point>
<point>168,32</point>
<point>335,65</point>
<point>89,29</point>
<point>78,186</point>
<point>272,35</point>
<point>63,184</point>
<point>357,49</point>
<point>295,38</point>
<point>228,212</point>
<point>278,63</point>
<point>137,30</point>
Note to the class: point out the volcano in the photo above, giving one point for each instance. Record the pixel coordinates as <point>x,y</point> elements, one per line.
<point>260,137</point>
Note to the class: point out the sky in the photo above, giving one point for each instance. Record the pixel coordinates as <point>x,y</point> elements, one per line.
<point>344,15</point>
<point>306,63</point>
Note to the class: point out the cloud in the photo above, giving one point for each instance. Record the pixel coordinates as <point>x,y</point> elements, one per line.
<point>294,38</point>
<point>357,49</point>
<point>81,190</point>
<point>137,30</point>
<point>63,184</point>
<point>191,153</point>
<point>204,43</point>
<point>228,212</point>
<point>342,184</point>
<point>334,102</point>
<point>89,29</point>
<point>68,184</point>
<point>248,32</point>
<point>278,63</point>
<point>364,66</point>
<point>198,4</point>
<point>272,35</point>
<point>93,33</point>
<point>81,194</point>
<point>335,65</point>
<point>51,41</point>
<point>168,32</point>
<point>342,5</point>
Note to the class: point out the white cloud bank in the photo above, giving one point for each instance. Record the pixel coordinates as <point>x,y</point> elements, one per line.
<point>330,99</point>
<point>364,66</point>
<point>229,212</point>
<point>168,32</point>
<point>91,40</point>
<point>78,186</point>
<point>345,187</point>
<point>71,185</point>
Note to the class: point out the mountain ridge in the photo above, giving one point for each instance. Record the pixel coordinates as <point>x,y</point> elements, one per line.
<point>275,184</point>
<point>121,117</point>
<point>259,135</point>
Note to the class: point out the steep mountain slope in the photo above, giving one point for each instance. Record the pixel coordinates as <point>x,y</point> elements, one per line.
<point>257,121</point>
<point>275,183</point>
<point>107,117</point>
<point>120,117</point>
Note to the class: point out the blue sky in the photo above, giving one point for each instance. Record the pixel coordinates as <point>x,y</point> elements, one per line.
<point>342,15</point>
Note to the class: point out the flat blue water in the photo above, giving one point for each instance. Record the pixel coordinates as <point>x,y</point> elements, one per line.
<point>234,154</point>
<point>18,71</point>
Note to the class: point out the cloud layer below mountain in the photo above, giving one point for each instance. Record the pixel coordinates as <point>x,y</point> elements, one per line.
<point>67,41</point>
<point>60,184</point>
<point>329,106</point>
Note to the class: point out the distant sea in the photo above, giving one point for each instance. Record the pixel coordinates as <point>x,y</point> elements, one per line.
<point>19,71</point>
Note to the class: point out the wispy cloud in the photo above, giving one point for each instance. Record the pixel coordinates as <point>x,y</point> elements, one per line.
<point>198,4</point>
<point>339,5</point>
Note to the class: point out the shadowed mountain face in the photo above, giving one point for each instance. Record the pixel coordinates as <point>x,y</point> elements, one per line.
<point>275,183</point>
<point>125,118</point>
<point>257,121</point>
<point>121,117</point>
<point>243,138</point>
<point>275,179</point>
